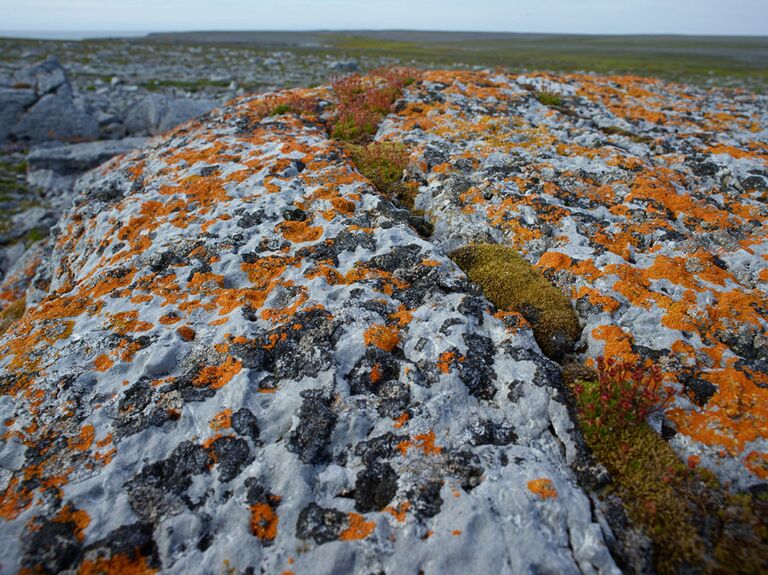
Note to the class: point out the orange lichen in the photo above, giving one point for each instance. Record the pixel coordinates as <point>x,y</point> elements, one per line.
<point>401,420</point>
<point>384,337</point>
<point>424,441</point>
<point>218,376</point>
<point>400,512</point>
<point>77,517</point>
<point>757,463</point>
<point>84,440</point>
<point>222,420</point>
<point>264,521</point>
<point>298,232</point>
<point>358,528</point>
<point>544,488</point>
<point>445,361</point>
<point>186,333</point>
<point>116,565</point>
<point>103,362</point>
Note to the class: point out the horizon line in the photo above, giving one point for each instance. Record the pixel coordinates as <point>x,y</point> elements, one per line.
<point>144,32</point>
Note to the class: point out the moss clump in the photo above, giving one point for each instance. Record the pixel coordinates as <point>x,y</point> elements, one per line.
<point>694,525</point>
<point>11,313</point>
<point>549,99</point>
<point>512,284</point>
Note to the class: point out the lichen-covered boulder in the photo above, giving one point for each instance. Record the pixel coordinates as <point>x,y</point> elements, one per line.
<point>646,201</point>
<point>239,358</point>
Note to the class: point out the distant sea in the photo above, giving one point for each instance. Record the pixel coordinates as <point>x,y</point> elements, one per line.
<point>67,35</point>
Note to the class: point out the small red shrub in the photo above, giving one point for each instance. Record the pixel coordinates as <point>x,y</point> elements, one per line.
<point>623,395</point>
<point>365,100</point>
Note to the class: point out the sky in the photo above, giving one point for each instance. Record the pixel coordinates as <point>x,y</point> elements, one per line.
<point>720,17</point>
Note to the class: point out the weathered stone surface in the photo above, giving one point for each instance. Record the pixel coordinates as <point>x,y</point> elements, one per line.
<point>67,159</point>
<point>233,350</point>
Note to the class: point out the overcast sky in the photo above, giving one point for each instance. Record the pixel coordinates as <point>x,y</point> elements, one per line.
<point>731,17</point>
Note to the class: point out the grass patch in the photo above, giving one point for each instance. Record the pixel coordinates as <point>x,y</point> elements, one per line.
<point>513,284</point>
<point>616,131</point>
<point>695,526</point>
<point>11,313</point>
<point>189,86</point>
<point>382,163</point>
<point>550,99</point>
<point>35,235</point>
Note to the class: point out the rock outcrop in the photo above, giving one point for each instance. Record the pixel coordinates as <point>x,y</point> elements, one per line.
<point>41,106</point>
<point>646,202</point>
<point>239,356</point>
<point>247,358</point>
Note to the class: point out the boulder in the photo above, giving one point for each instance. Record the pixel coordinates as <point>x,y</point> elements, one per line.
<point>234,363</point>
<point>55,117</point>
<point>157,113</point>
<point>13,103</point>
<point>42,78</point>
<point>77,158</point>
<point>43,108</point>
<point>53,170</point>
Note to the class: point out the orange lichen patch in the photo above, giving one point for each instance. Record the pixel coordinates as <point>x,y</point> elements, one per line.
<point>218,376</point>
<point>757,463</point>
<point>83,441</point>
<point>116,565</point>
<point>264,521</point>
<point>618,343</point>
<point>456,532</point>
<point>544,488</point>
<point>170,318</point>
<point>555,260</point>
<point>127,322</point>
<point>375,374</point>
<point>424,441</point>
<point>298,232</point>
<point>103,362</point>
<point>14,500</point>
<point>279,315</point>
<point>445,361</point>
<point>222,420</point>
<point>186,333</point>
<point>737,152</point>
<point>357,529</point>
<point>605,302</point>
<point>384,337</point>
<point>403,316</point>
<point>736,414</point>
<point>77,517</point>
<point>401,420</point>
<point>399,512</point>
